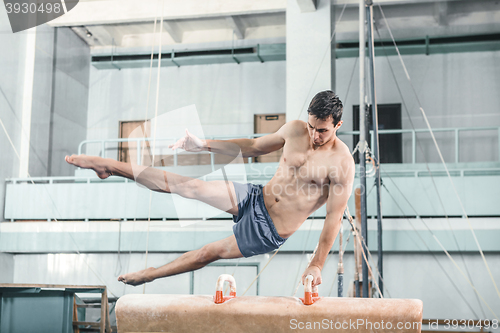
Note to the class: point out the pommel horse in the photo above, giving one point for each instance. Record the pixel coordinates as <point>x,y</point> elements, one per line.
<point>262,314</point>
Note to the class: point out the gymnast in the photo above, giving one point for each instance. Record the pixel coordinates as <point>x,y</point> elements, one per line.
<point>315,168</point>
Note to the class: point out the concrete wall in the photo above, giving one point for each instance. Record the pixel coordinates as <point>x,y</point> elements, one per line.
<point>59,102</point>
<point>310,62</point>
<point>42,102</point>
<point>455,89</point>
<point>11,88</point>
<point>70,100</point>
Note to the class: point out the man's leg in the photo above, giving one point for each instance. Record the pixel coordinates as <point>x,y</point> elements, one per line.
<point>219,194</point>
<point>189,261</point>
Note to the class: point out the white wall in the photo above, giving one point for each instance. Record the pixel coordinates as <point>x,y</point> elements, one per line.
<point>309,57</point>
<point>455,89</point>
<point>59,103</point>
<point>69,101</point>
<point>12,61</point>
<point>226,96</point>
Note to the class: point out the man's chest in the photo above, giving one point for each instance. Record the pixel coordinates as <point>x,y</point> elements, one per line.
<point>306,164</point>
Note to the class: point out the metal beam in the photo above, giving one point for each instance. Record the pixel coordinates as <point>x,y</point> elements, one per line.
<point>354,3</point>
<point>307,6</point>
<point>362,143</point>
<point>237,26</point>
<point>104,35</point>
<point>173,30</point>
<point>375,141</point>
<point>129,11</point>
<point>441,13</point>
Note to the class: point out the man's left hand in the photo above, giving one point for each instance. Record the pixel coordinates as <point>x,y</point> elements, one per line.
<point>315,272</point>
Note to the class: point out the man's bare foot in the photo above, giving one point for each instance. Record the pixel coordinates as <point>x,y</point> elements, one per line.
<point>137,278</point>
<point>95,163</point>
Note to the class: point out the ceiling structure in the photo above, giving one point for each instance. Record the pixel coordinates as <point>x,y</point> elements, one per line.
<point>126,26</point>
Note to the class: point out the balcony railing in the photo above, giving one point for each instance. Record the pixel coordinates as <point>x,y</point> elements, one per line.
<point>104,143</point>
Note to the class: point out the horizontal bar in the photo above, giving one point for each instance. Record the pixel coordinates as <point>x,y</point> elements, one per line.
<point>87,323</point>
<point>424,130</point>
<point>89,305</point>
<point>249,174</point>
<point>49,286</point>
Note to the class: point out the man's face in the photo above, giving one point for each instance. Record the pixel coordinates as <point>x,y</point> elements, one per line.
<point>321,131</point>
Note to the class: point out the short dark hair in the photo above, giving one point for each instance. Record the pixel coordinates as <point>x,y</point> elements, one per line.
<point>324,104</point>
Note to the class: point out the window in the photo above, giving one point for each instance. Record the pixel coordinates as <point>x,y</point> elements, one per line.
<point>391,145</point>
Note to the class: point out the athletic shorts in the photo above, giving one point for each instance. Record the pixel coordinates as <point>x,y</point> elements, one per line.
<point>254,230</point>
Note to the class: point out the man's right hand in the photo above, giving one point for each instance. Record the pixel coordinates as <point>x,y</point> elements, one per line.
<point>189,143</point>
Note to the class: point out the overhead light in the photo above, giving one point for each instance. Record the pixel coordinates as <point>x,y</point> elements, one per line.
<point>89,34</point>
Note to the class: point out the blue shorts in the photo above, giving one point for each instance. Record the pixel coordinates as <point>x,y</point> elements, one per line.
<point>254,230</point>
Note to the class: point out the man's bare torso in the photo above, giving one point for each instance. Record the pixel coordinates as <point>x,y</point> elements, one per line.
<point>302,181</point>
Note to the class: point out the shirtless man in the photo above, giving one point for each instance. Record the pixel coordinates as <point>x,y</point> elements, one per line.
<point>315,168</point>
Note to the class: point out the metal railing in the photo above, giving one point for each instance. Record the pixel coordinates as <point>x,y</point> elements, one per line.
<point>140,141</point>
<point>456,130</point>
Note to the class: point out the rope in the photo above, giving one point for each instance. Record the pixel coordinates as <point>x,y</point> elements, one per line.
<point>437,240</point>
<point>440,154</point>
<point>428,249</point>
<point>262,270</point>
<point>430,173</point>
<point>350,80</point>
<point>364,254</point>
<point>336,271</point>
<point>154,131</point>
<point>303,105</point>
<point>309,262</point>
<point>53,204</point>
<point>322,59</point>
<point>433,235</point>
<point>347,94</point>
<point>303,252</point>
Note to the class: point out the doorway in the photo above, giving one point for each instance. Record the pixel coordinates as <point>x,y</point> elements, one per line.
<point>125,149</point>
<point>269,123</point>
<point>391,145</point>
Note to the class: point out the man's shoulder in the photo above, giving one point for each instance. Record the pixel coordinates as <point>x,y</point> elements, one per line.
<point>295,128</point>
<point>342,162</point>
<point>343,149</point>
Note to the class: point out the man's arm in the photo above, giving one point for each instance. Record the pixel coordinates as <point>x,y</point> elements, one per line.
<point>248,147</point>
<point>338,196</point>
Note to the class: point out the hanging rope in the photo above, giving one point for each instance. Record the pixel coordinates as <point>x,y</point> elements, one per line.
<point>336,271</point>
<point>359,238</point>
<point>51,203</point>
<point>305,101</point>
<point>154,131</point>
<point>425,244</point>
<point>262,270</point>
<point>440,154</point>
<point>431,175</point>
<point>303,252</point>
<point>308,263</point>
<point>322,60</point>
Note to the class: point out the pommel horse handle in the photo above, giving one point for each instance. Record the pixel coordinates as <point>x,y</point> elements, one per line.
<point>310,293</point>
<point>219,294</point>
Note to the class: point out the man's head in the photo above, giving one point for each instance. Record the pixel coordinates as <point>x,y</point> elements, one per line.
<point>325,113</point>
